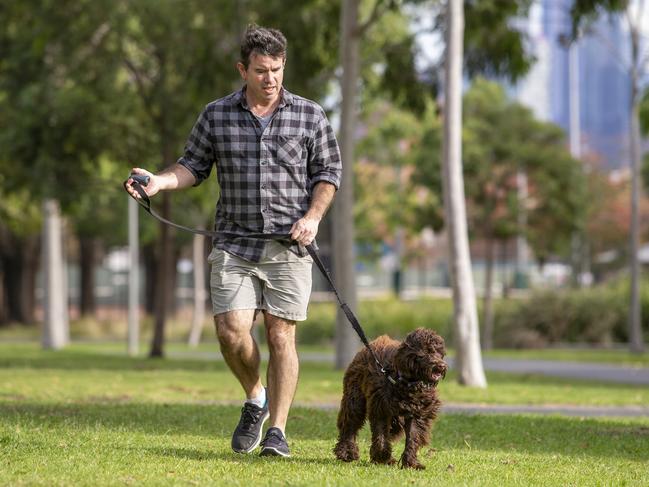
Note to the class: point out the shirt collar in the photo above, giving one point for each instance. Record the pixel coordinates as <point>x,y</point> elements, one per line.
<point>286,98</point>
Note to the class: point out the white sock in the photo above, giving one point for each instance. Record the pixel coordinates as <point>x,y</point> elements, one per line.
<point>260,400</point>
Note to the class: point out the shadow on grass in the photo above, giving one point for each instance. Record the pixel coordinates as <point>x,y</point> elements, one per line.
<point>227,455</point>
<point>91,357</point>
<point>604,438</point>
<point>87,358</point>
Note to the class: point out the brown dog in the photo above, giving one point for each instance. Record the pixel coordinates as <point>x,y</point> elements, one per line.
<point>410,405</point>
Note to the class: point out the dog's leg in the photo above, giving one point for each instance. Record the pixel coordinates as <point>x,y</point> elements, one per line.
<point>416,437</point>
<point>351,418</point>
<point>396,429</point>
<point>381,449</point>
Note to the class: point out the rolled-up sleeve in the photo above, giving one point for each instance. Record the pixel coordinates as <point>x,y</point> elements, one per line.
<point>325,163</point>
<point>198,156</point>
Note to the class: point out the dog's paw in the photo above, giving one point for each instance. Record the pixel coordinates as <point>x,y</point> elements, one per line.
<point>383,460</point>
<point>411,463</point>
<point>346,452</point>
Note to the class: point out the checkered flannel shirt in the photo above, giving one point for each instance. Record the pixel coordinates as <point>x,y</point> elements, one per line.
<point>265,177</point>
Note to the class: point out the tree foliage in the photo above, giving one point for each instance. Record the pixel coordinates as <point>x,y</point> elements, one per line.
<point>500,138</point>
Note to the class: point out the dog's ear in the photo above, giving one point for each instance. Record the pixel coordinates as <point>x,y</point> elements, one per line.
<point>440,345</point>
<point>426,339</point>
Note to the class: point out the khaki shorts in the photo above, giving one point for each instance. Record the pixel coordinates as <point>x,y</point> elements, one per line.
<point>279,283</point>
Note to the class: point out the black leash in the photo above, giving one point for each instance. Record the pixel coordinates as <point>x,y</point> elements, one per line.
<point>348,312</point>
<point>145,202</point>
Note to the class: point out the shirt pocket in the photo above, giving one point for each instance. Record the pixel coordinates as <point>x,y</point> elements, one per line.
<point>289,149</point>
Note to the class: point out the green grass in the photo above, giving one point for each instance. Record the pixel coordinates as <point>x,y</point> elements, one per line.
<point>98,372</point>
<point>188,444</point>
<point>593,355</point>
<point>88,415</point>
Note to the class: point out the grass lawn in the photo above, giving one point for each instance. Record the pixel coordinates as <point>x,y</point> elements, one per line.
<point>620,357</point>
<point>87,415</point>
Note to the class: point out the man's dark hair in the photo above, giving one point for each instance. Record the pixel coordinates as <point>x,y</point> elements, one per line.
<point>264,41</point>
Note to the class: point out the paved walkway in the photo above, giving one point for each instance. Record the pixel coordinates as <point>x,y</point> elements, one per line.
<point>547,409</point>
<point>576,370</point>
<point>544,409</point>
<point>571,370</point>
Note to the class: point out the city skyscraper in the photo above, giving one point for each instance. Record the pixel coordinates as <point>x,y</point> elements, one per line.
<point>603,83</point>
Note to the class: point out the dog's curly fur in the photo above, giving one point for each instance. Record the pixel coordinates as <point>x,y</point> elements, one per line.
<point>409,406</point>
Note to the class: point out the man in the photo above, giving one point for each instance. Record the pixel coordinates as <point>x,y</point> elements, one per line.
<point>278,167</point>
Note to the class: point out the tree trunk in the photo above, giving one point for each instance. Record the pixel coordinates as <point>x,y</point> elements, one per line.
<point>200,293</point>
<point>56,333</point>
<point>347,343</point>
<point>504,255</point>
<point>161,301</point>
<point>20,265</point>
<point>487,298</point>
<point>5,246</point>
<point>636,343</point>
<point>467,338</point>
<point>4,315</point>
<point>88,259</point>
<point>150,277</point>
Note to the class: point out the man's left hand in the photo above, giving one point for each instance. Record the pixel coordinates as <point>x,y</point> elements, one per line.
<point>304,230</point>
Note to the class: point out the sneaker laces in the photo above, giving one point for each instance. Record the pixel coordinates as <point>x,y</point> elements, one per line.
<point>270,433</point>
<point>250,415</point>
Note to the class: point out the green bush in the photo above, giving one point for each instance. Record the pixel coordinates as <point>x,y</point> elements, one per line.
<point>596,316</point>
<point>380,316</point>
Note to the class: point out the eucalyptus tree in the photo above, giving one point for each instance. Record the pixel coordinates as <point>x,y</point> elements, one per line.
<point>493,45</point>
<point>501,139</point>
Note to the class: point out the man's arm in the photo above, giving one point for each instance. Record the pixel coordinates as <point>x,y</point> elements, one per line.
<point>174,177</point>
<point>306,228</point>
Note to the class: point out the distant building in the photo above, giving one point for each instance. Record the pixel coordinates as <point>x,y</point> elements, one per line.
<point>603,82</point>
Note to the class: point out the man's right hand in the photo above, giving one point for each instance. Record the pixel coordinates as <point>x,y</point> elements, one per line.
<point>150,189</point>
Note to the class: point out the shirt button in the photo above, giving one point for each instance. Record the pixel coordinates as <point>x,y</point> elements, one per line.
<point>263,163</point>
<point>263,186</point>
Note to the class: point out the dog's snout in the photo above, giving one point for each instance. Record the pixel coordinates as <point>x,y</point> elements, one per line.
<point>440,370</point>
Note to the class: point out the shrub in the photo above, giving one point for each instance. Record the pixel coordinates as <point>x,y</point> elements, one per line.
<point>595,316</point>
<point>379,316</point>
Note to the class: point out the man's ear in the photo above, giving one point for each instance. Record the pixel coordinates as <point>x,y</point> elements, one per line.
<point>242,70</point>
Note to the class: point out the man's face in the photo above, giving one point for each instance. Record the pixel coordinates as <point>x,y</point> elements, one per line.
<point>264,77</point>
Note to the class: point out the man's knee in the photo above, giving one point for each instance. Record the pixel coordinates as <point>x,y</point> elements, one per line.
<point>280,333</point>
<point>232,327</point>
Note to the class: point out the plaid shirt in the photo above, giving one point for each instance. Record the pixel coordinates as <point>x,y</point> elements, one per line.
<point>266,176</point>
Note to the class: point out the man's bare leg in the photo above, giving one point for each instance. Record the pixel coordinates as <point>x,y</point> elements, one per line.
<point>239,349</point>
<point>283,368</point>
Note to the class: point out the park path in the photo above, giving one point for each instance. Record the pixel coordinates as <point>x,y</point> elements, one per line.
<point>604,373</point>
<point>570,370</point>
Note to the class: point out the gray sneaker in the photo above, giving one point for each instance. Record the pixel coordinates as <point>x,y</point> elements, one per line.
<point>247,435</point>
<point>274,444</point>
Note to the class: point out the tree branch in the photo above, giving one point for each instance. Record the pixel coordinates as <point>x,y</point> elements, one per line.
<point>380,7</point>
<point>141,88</point>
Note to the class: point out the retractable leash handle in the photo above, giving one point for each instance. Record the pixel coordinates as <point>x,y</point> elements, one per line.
<point>140,180</point>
